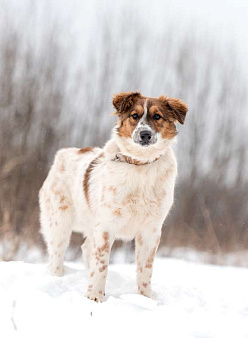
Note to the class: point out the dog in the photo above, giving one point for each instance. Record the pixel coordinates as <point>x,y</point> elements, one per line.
<point>121,191</point>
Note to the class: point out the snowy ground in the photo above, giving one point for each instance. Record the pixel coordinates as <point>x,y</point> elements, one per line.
<point>190,300</point>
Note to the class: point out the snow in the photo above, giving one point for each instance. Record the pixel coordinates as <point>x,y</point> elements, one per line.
<point>189,300</point>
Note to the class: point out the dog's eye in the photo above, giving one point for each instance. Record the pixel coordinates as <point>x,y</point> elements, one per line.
<point>156,116</point>
<point>135,116</point>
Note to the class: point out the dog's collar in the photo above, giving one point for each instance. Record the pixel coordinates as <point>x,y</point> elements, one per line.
<point>124,158</point>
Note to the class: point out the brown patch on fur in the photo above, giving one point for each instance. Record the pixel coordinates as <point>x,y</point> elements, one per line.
<point>91,274</point>
<point>98,254</point>
<point>139,267</point>
<point>130,199</point>
<point>150,260</point>
<point>112,189</point>
<point>104,248</point>
<point>117,212</point>
<point>105,236</point>
<point>86,181</point>
<point>87,177</point>
<point>104,267</point>
<point>145,285</point>
<point>62,199</point>
<point>63,207</point>
<point>85,150</point>
<point>148,265</point>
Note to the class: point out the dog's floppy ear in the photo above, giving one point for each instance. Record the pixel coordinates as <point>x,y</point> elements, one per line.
<point>177,107</point>
<point>123,101</point>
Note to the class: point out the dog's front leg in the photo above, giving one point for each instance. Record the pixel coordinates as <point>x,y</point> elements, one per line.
<point>102,243</point>
<point>146,244</point>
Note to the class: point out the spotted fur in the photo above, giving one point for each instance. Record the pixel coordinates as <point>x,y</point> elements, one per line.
<point>87,190</point>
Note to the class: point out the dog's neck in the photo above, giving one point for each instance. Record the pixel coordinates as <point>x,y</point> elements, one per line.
<point>119,157</point>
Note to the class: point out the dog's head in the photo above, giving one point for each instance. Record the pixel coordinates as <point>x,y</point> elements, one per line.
<point>148,121</point>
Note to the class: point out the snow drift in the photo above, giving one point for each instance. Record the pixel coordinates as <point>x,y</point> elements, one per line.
<point>189,300</point>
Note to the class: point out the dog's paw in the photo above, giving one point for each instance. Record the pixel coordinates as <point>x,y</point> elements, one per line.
<point>95,295</point>
<point>57,271</point>
<point>145,290</point>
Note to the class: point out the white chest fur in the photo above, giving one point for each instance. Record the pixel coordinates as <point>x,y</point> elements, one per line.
<point>130,196</point>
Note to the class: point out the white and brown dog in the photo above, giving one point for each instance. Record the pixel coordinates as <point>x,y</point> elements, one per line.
<point>124,190</point>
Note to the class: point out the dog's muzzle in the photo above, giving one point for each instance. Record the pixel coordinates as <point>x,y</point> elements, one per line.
<point>144,137</point>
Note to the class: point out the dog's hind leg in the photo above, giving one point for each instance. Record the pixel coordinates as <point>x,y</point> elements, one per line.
<point>87,252</point>
<point>56,226</point>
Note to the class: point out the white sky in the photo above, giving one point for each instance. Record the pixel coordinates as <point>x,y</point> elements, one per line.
<point>227,19</point>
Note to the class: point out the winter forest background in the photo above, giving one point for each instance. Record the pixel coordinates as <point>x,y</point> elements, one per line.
<point>60,64</point>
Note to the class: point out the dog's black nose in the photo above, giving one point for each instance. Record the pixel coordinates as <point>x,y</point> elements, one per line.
<point>145,136</point>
